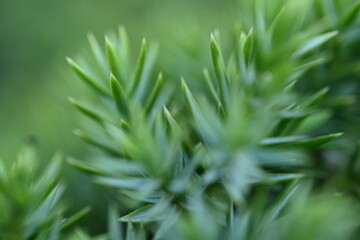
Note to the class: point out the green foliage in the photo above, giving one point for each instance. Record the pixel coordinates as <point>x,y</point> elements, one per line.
<point>30,198</point>
<point>246,154</point>
<point>236,160</point>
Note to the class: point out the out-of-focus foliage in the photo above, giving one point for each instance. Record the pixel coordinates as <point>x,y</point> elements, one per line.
<point>30,199</point>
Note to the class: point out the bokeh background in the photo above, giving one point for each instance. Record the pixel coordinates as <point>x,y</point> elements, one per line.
<point>35,80</point>
<point>37,35</point>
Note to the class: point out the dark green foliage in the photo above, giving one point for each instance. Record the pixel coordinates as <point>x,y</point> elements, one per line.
<point>30,199</point>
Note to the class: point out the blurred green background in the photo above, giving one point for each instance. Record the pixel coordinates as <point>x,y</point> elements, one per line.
<point>36,36</point>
